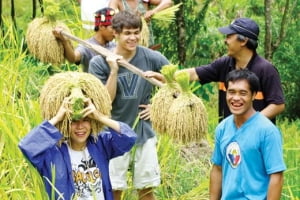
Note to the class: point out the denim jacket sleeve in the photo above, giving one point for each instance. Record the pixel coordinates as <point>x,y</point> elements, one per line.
<point>120,143</point>
<point>38,141</point>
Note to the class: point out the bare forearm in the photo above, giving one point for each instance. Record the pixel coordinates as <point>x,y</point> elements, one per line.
<point>110,123</point>
<point>69,52</point>
<point>215,185</point>
<point>111,85</point>
<point>272,110</point>
<point>192,73</point>
<point>275,186</point>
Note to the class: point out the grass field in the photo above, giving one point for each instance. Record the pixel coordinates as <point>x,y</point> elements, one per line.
<point>184,170</point>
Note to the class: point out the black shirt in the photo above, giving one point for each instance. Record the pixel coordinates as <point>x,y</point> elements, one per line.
<point>270,91</point>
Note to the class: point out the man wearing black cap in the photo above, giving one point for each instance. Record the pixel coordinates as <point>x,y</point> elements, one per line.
<point>103,36</point>
<point>241,41</point>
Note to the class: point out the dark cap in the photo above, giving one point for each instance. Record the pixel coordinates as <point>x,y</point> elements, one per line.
<point>244,26</point>
<point>103,17</point>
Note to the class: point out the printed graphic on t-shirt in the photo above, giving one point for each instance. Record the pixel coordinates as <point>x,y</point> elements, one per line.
<point>128,85</point>
<point>233,154</point>
<point>87,179</point>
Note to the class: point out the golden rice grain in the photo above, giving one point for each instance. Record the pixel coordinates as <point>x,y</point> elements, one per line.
<point>145,33</point>
<point>42,43</point>
<point>60,85</point>
<point>187,117</point>
<point>163,99</point>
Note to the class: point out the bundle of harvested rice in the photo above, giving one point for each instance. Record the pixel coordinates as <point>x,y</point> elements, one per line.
<point>40,40</point>
<point>145,33</point>
<point>77,86</point>
<point>187,118</point>
<point>164,17</point>
<point>163,99</point>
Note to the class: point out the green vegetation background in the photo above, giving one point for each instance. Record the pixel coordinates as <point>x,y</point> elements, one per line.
<point>185,169</point>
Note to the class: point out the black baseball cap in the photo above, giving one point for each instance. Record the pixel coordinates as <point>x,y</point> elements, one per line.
<point>244,26</point>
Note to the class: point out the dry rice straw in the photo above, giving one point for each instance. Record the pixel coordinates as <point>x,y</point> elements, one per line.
<point>163,99</point>
<point>59,86</point>
<point>187,118</point>
<point>42,43</point>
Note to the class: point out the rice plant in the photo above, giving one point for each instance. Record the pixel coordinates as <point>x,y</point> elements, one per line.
<point>184,169</point>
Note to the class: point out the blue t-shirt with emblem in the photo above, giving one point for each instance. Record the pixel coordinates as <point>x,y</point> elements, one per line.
<point>247,155</point>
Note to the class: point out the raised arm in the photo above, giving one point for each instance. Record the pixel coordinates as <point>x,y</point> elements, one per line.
<point>160,77</point>
<point>192,72</point>
<point>111,83</point>
<point>70,54</point>
<point>91,112</point>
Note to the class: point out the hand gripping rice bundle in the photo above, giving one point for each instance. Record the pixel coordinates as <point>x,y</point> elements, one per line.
<point>187,118</point>
<point>163,99</point>
<point>40,40</point>
<point>77,86</point>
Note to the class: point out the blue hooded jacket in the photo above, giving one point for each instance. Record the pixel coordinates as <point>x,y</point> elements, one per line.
<point>41,148</point>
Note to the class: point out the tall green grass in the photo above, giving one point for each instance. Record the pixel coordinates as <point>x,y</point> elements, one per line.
<point>183,177</point>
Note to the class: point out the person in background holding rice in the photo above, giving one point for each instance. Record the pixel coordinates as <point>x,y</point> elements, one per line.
<point>241,41</point>
<point>103,36</point>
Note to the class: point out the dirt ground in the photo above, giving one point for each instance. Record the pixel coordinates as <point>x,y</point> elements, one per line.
<point>200,151</point>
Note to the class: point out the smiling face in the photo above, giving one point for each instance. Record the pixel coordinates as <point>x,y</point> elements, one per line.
<point>240,98</point>
<point>80,131</point>
<point>128,39</point>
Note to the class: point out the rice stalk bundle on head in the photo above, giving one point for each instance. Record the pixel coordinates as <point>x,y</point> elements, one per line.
<point>145,33</point>
<point>166,16</point>
<point>163,99</point>
<point>76,86</point>
<point>40,40</point>
<point>187,118</point>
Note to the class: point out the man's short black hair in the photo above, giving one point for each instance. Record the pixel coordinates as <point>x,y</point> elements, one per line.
<point>243,74</point>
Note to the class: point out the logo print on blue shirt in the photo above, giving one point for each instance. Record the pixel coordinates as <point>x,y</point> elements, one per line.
<point>128,85</point>
<point>233,154</point>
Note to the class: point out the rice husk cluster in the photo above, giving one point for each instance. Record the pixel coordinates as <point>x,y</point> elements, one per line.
<point>178,113</point>
<point>161,103</point>
<point>42,43</point>
<point>187,118</point>
<point>163,99</point>
<point>60,85</point>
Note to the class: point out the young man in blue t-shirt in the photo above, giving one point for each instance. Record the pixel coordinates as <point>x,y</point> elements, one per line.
<point>247,158</point>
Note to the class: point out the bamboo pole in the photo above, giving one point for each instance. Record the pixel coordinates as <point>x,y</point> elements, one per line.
<point>105,52</point>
